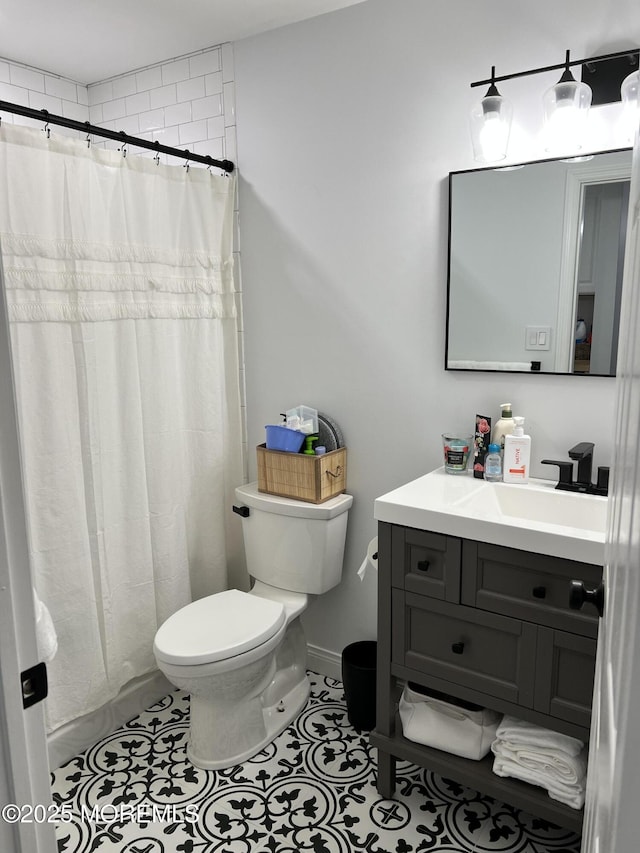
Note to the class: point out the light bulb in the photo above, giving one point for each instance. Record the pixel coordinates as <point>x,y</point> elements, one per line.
<point>490,127</point>
<point>493,138</point>
<point>566,107</point>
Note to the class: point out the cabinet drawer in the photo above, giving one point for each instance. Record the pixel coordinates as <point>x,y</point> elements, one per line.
<point>564,675</point>
<point>426,563</point>
<point>482,651</point>
<point>527,586</point>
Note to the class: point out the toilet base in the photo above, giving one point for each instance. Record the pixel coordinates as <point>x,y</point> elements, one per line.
<point>268,722</point>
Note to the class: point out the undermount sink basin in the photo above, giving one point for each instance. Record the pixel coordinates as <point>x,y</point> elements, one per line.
<point>539,504</point>
<point>533,517</point>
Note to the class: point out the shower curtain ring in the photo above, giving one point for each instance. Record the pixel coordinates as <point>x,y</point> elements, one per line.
<point>186,164</point>
<point>157,157</point>
<point>46,127</point>
<point>123,148</point>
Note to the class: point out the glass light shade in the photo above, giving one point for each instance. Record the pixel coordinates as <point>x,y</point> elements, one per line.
<point>490,127</point>
<point>566,108</point>
<point>630,94</point>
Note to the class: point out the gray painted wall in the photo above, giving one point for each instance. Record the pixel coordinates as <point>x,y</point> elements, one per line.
<point>348,125</point>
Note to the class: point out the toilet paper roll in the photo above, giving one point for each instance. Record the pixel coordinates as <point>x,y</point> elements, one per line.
<point>370,560</point>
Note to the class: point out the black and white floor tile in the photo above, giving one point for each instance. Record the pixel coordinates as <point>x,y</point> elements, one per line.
<point>311,791</point>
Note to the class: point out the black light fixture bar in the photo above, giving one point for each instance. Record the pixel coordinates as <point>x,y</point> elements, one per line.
<point>118,135</point>
<point>633,55</point>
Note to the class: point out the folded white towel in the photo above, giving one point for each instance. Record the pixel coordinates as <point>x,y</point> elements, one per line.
<point>570,795</point>
<point>556,765</point>
<point>46,636</point>
<point>516,733</point>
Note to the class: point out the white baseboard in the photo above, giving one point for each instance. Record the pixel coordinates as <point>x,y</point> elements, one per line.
<point>74,737</point>
<point>80,734</point>
<point>324,662</point>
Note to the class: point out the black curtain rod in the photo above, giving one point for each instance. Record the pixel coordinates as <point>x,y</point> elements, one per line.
<point>592,59</point>
<point>119,135</point>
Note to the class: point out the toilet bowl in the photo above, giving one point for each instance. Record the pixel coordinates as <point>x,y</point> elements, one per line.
<point>242,655</point>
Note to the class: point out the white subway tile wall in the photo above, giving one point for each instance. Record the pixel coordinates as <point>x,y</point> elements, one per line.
<point>41,90</point>
<point>187,103</point>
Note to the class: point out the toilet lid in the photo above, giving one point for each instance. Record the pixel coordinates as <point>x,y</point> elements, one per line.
<point>217,627</point>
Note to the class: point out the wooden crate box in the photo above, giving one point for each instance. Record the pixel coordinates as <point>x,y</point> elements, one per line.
<point>301,476</point>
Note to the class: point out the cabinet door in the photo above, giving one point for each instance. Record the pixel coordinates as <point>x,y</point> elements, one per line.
<point>564,675</point>
<point>426,563</point>
<point>492,654</point>
<point>527,586</point>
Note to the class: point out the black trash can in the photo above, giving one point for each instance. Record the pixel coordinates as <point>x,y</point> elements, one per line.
<point>359,681</point>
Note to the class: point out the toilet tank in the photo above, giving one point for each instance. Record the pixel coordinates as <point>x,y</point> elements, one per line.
<point>294,545</point>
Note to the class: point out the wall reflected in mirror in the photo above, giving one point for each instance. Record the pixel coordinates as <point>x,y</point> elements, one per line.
<point>536,254</point>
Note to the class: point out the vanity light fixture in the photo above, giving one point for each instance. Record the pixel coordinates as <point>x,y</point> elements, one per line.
<point>611,77</point>
<point>491,125</point>
<point>566,107</point>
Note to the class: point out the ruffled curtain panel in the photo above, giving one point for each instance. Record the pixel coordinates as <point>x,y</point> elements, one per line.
<point>119,280</point>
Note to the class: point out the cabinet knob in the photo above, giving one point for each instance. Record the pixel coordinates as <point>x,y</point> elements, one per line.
<point>580,595</point>
<point>457,648</point>
<point>539,592</point>
<point>423,565</point>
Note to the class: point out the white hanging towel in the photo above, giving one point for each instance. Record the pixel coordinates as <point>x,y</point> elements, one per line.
<point>46,636</point>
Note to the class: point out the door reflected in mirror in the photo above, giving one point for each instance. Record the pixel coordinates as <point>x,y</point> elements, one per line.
<point>536,255</point>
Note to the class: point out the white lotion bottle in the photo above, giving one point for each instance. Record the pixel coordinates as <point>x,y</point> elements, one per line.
<point>517,455</point>
<point>504,426</point>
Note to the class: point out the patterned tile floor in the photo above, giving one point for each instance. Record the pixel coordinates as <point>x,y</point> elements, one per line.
<point>311,791</point>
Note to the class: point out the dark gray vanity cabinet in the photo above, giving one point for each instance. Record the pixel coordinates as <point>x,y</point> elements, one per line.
<point>488,624</point>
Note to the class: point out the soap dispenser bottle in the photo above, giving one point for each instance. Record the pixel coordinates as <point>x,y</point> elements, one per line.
<point>504,426</point>
<point>517,455</point>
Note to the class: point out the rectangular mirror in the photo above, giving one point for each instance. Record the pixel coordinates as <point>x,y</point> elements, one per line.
<point>536,256</point>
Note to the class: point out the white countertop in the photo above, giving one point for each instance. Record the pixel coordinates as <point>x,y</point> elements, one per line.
<point>536,517</point>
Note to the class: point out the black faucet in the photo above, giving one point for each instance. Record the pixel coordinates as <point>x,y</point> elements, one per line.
<point>582,453</point>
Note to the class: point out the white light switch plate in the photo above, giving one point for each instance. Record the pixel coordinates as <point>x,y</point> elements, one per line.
<point>537,337</point>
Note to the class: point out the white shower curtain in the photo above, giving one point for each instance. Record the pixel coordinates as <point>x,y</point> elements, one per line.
<point>124,337</point>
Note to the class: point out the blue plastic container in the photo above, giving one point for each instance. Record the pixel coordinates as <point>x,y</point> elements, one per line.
<point>283,438</point>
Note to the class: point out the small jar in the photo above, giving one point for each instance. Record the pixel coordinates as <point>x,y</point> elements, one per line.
<point>493,464</point>
<point>456,452</point>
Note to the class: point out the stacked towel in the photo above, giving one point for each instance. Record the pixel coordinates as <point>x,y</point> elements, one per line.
<point>542,757</point>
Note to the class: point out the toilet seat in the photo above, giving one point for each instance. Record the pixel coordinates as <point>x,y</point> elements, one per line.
<point>218,627</point>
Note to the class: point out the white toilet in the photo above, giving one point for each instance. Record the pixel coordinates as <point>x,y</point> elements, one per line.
<point>242,655</point>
